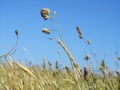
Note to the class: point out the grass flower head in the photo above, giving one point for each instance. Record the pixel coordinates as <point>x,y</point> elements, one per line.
<point>45,30</point>
<point>45,13</point>
<point>79,32</point>
<point>87,57</point>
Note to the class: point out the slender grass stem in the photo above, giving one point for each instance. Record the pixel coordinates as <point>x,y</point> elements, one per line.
<point>12,50</point>
<point>57,29</point>
<point>91,52</point>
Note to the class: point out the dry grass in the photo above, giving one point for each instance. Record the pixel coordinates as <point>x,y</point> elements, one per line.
<point>16,76</point>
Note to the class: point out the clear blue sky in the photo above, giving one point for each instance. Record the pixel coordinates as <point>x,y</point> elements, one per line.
<point>99,21</point>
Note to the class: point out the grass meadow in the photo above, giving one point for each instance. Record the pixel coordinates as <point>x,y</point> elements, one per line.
<point>18,76</point>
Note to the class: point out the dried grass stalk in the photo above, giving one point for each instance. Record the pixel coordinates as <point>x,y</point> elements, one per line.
<point>25,69</point>
<point>11,64</point>
<point>10,61</point>
<point>68,53</point>
<point>69,81</point>
<point>73,75</point>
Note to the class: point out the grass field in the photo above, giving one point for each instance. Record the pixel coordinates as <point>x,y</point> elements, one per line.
<point>18,76</point>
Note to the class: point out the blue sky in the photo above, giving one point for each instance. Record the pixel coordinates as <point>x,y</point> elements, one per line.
<point>99,21</point>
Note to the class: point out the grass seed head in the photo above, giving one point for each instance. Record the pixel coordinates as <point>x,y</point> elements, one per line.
<point>57,66</point>
<point>45,13</point>
<point>45,30</point>
<point>103,63</point>
<point>89,42</point>
<point>16,32</point>
<point>85,73</point>
<point>67,69</point>
<point>118,58</point>
<point>87,57</point>
<point>79,32</point>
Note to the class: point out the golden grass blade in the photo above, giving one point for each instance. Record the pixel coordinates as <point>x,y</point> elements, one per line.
<point>25,69</point>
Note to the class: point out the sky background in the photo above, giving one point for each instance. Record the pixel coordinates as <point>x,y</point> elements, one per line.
<point>99,21</point>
